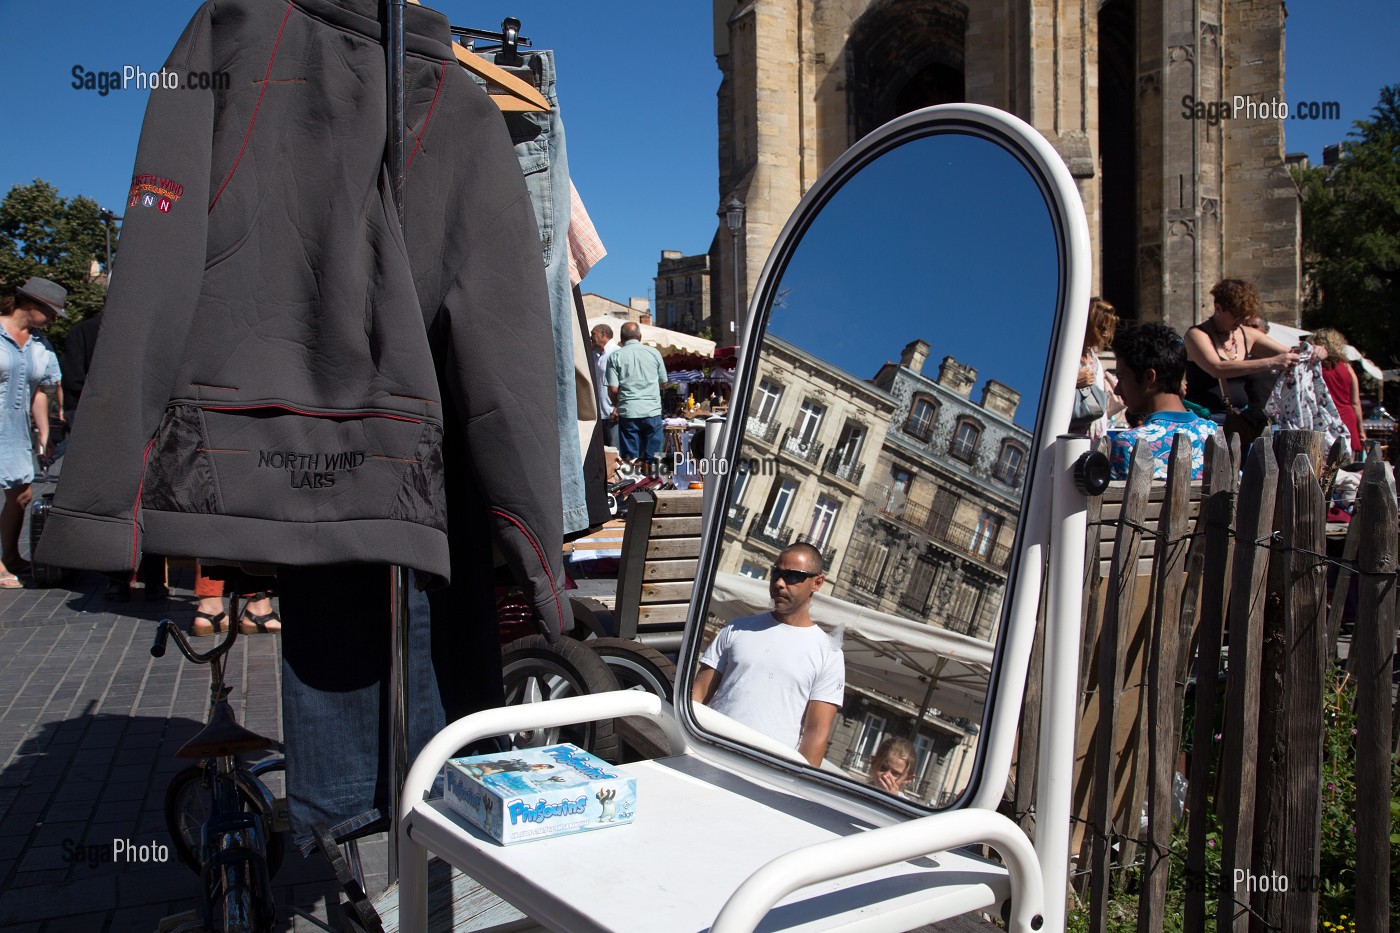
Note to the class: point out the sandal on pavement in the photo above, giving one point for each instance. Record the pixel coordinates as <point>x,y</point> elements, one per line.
<point>9,581</point>
<point>212,623</point>
<point>250,623</point>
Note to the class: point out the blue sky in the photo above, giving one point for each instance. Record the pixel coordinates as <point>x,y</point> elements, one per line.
<point>637,87</point>
<point>899,254</point>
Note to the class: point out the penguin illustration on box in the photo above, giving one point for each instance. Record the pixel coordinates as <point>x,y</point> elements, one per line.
<point>606,797</point>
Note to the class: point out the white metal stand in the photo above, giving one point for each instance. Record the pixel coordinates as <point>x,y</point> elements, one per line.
<point>714,846</point>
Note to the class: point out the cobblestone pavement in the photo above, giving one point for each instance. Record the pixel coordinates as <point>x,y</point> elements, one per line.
<point>89,726</point>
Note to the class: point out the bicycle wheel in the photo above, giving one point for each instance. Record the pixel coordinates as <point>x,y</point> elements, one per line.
<point>188,806</point>
<point>636,666</point>
<point>536,670</point>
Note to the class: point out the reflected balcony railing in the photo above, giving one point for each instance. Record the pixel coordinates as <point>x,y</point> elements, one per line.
<point>764,431</point>
<point>956,536</point>
<point>736,517</point>
<point>848,471</point>
<point>828,553</point>
<point>807,451</point>
<point>765,532</point>
<point>864,582</point>
<point>963,451</point>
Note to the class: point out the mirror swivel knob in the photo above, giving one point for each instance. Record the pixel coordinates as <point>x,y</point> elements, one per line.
<point>1091,473</point>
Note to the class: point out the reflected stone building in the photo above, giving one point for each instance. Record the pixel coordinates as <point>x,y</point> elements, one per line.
<point>811,440</point>
<point>911,490</point>
<point>933,539</point>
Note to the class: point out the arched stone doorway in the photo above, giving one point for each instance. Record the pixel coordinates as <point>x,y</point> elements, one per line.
<point>903,55</point>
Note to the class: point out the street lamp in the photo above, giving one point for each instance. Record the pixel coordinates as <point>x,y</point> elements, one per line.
<point>107,217</point>
<point>734,220</point>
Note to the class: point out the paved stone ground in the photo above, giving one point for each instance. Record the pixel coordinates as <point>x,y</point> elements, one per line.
<point>89,726</point>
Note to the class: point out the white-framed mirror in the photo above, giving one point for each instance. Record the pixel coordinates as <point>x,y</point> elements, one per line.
<point>892,407</point>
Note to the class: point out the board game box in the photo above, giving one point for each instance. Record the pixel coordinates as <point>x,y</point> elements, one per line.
<point>536,793</point>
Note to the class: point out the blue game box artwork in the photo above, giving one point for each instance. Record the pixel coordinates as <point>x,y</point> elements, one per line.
<point>535,793</point>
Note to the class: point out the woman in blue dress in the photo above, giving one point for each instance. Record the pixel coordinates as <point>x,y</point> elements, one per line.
<point>28,372</point>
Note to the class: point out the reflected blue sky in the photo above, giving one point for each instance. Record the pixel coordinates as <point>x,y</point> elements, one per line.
<point>946,238</point>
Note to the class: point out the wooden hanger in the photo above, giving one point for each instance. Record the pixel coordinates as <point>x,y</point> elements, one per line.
<point>519,96</point>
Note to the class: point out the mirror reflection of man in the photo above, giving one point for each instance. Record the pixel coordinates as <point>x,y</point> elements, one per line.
<point>779,672</point>
<point>635,375</point>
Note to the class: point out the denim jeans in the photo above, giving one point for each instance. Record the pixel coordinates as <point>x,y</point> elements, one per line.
<point>640,437</point>
<point>539,145</point>
<point>336,665</point>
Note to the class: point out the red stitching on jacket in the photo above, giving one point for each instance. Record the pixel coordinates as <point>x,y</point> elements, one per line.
<point>136,510</point>
<point>256,107</point>
<point>429,118</point>
<point>543,563</point>
<point>309,414</point>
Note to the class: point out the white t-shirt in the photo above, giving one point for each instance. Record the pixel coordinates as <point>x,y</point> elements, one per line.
<point>770,671</point>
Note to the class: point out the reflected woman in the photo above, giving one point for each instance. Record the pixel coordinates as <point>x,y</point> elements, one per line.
<point>779,672</point>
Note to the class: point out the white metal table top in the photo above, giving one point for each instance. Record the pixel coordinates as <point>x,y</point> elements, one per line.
<point>714,828</point>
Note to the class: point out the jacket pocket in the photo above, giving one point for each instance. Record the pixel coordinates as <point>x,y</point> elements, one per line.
<point>275,462</point>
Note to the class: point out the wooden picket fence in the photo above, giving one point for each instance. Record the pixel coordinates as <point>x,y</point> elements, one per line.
<point>1172,567</point>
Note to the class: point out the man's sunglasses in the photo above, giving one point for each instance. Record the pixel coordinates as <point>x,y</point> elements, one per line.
<point>791,577</point>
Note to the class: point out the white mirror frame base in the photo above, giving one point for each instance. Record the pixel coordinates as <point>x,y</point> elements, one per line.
<point>1028,889</point>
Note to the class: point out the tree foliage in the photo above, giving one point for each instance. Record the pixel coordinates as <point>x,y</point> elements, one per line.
<point>43,233</point>
<point>1351,235</point>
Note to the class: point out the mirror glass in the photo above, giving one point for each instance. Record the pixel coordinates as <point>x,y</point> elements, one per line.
<point>889,424</point>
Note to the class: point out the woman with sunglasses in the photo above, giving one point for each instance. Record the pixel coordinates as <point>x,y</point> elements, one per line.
<point>778,672</point>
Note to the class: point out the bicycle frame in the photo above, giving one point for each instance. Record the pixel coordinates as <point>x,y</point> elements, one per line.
<point>236,887</point>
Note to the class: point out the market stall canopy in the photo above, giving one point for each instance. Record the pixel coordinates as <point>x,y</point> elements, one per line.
<point>885,655</point>
<point>667,341</point>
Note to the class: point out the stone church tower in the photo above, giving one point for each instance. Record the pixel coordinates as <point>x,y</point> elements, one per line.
<point>1175,201</point>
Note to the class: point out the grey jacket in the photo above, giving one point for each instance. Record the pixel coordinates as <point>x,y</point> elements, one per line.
<point>279,364</point>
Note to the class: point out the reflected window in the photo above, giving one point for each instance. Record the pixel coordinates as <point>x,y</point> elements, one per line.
<point>809,421</point>
<point>920,421</point>
<point>940,514</point>
<point>915,599</point>
<point>871,731</point>
<point>752,570</point>
<point>965,440</point>
<point>768,395</point>
<point>689,285</point>
<point>871,568</point>
<point>779,504</point>
<point>898,493</point>
<point>986,534</point>
<point>848,446</point>
<point>1008,467</point>
<point>670,286</point>
<point>823,518</point>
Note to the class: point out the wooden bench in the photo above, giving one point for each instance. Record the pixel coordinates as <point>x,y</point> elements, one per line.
<point>656,575</point>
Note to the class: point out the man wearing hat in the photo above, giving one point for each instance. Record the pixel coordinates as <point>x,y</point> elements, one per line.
<point>28,372</point>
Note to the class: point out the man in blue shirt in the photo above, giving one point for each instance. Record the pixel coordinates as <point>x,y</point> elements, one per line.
<point>1151,366</point>
<point>635,374</point>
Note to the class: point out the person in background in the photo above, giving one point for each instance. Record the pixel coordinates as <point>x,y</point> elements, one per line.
<point>1098,335</point>
<point>1222,350</point>
<point>79,345</point>
<point>892,766</point>
<point>604,345</point>
<point>1342,384</point>
<point>29,370</point>
<point>635,375</point>
<point>1151,359</point>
